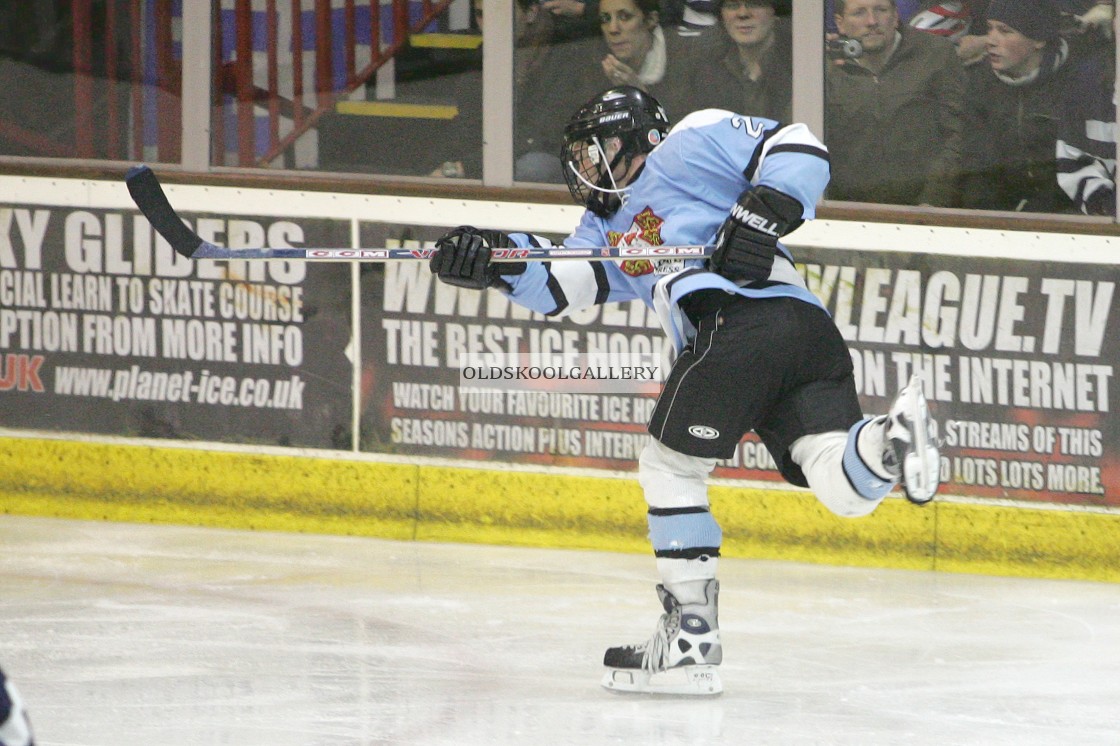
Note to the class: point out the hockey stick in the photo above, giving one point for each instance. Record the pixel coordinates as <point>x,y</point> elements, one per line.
<point>149,197</point>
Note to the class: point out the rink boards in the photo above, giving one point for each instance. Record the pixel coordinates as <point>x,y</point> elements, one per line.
<point>430,501</point>
<point>136,387</point>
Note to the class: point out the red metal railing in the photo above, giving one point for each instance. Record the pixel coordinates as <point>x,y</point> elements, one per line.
<point>327,96</point>
<point>98,82</point>
<point>128,97</point>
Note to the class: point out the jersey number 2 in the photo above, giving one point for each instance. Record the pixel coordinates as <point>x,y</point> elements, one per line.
<point>753,128</point>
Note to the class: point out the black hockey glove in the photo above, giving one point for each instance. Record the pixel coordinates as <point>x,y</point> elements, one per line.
<point>463,259</point>
<point>748,240</point>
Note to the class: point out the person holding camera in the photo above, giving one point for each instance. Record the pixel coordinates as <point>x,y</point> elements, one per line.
<point>893,109</point>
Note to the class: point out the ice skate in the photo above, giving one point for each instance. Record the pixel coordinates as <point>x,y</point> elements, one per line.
<point>680,658</point>
<point>910,446</point>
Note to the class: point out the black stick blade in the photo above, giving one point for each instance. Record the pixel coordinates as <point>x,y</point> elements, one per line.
<point>149,197</point>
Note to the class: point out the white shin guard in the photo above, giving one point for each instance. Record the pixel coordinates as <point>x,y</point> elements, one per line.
<point>671,479</point>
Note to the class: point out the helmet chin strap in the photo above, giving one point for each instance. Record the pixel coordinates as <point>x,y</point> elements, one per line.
<point>622,192</point>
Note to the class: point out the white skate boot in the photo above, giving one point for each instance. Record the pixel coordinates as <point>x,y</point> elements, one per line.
<point>680,658</point>
<point>910,446</point>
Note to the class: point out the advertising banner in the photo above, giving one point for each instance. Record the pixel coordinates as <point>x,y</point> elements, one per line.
<point>1018,359</point>
<point>105,330</point>
<point>416,331</point>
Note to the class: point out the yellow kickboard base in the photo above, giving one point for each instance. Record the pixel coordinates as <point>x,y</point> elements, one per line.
<point>334,494</point>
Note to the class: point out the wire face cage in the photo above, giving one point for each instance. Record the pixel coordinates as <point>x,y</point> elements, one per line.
<point>601,141</point>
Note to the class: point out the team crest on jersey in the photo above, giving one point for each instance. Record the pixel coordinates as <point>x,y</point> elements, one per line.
<point>636,267</point>
<point>644,231</point>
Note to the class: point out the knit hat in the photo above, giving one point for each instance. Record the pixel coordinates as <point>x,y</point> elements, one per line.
<point>1034,19</point>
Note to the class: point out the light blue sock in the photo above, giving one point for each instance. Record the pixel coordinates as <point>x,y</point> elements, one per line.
<point>865,481</point>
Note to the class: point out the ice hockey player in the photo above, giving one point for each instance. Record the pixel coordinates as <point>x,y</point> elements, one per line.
<point>756,350</point>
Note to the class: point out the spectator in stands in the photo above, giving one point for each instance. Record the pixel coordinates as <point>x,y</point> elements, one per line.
<point>1087,143</point>
<point>1016,101</point>
<point>639,53</point>
<point>745,64</point>
<point>1093,18</point>
<point>893,114</point>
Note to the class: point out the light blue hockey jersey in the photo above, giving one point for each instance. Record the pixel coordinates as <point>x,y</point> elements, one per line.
<point>683,195</point>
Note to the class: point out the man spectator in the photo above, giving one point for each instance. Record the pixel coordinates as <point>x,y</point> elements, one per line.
<point>907,9</point>
<point>1016,102</point>
<point>893,113</point>
<point>747,60</point>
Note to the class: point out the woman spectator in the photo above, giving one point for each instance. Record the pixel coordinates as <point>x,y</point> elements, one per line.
<point>1087,143</point>
<point>641,54</point>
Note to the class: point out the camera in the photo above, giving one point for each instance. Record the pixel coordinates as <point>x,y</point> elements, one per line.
<point>843,48</point>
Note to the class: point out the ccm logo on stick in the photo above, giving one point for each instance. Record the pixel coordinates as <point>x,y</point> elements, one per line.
<point>355,253</point>
<point>660,250</point>
<point>703,432</point>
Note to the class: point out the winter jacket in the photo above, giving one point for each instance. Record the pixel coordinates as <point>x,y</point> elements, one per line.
<point>721,81</point>
<point>895,137</point>
<point>1011,135</point>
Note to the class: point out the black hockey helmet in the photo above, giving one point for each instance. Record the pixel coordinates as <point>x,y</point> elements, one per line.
<point>601,140</point>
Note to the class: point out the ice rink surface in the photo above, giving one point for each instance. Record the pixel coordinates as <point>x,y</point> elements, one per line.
<point>122,634</point>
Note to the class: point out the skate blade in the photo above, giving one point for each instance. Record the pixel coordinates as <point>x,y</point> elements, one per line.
<point>922,475</point>
<point>922,470</point>
<point>688,681</point>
